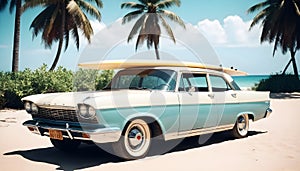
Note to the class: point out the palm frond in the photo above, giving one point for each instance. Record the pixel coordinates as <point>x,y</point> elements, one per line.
<point>276,44</point>
<point>172,16</point>
<point>76,13</point>
<point>92,10</point>
<point>133,5</point>
<point>50,25</point>
<point>168,3</point>
<point>297,6</point>
<point>54,34</point>
<point>153,1</point>
<point>99,3</point>
<point>41,20</point>
<point>3,4</point>
<point>151,29</point>
<point>67,38</point>
<point>144,2</point>
<point>12,5</point>
<point>140,40</point>
<point>168,28</point>
<point>76,36</point>
<point>36,3</point>
<point>258,6</point>
<point>138,24</point>
<point>132,15</point>
<point>258,18</point>
<point>87,29</point>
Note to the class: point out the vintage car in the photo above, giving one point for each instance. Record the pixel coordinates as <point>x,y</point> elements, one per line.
<point>144,102</point>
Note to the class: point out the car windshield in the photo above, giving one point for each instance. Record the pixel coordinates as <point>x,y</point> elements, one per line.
<point>141,79</point>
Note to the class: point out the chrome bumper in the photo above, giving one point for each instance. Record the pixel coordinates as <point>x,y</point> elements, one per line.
<point>268,112</point>
<point>97,135</point>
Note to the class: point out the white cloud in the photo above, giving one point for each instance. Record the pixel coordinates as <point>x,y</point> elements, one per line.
<point>233,31</point>
<point>213,30</point>
<point>41,52</point>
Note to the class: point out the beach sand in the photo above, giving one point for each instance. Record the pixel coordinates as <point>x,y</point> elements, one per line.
<point>273,144</point>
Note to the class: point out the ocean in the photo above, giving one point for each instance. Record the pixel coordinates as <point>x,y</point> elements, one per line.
<point>249,81</point>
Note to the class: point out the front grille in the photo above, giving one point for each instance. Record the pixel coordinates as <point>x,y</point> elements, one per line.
<point>68,115</point>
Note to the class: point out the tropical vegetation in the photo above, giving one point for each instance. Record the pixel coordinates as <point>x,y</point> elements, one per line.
<point>279,83</point>
<point>14,86</point>
<point>151,15</point>
<point>62,19</point>
<point>280,20</point>
<point>14,4</point>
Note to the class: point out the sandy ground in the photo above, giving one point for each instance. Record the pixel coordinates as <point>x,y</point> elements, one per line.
<point>273,144</point>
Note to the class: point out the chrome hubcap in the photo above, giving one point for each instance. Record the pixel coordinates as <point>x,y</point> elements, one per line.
<point>135,138</point>
<point>241,123</point>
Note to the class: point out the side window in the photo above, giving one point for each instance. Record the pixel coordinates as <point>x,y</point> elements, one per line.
<point>218,84</point>
<point>193,81</point>
<point>152,81</point>
<point>127,80</point>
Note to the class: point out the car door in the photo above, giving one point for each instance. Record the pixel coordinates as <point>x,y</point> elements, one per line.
<point>195,101</point>
<point>224,101</point>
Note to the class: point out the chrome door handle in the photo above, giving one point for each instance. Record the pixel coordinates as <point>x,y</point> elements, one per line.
<point>233,95</point>
<point>211,95</point>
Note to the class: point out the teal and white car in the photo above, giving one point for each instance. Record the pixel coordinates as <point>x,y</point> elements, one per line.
<point>142,103</point>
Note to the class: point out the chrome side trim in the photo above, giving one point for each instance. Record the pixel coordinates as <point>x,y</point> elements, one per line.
<point>194,132</point>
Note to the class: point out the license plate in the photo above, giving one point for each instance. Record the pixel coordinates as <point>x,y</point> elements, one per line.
<point>55,134</point>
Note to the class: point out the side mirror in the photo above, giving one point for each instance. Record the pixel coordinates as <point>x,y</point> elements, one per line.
<point>191,89</point>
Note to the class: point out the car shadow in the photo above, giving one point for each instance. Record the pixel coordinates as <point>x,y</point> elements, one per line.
<point>208,139</point>
<point>84,157</point>
<point>285,95</point>
<point>91,155</point>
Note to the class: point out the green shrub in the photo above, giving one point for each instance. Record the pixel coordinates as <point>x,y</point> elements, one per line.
<point>14,86</point>
<point>89,80</point>
<point>2,100</point>
<point>103,79</point>
<point>280,84</point>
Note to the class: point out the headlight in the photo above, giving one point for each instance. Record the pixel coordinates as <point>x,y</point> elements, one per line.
<point>34,109</point>
<point>27,107</point>
<point>31,107</point>
<point>86,112</point>
<point>92,111</point>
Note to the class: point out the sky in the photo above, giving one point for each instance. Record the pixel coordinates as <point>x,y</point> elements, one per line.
<point>225,25</point>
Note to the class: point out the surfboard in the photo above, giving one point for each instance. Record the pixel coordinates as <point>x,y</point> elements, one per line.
<point>121,64</point>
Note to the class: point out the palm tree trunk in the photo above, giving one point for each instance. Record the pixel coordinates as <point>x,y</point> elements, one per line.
<point>156,51</point>
<point>61,37</point>
<point>286,67</point>
<point>293,53</point>
<point>15,58</point>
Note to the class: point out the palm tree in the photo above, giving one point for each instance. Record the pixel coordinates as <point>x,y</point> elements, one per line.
<point>148,25</point>
<point>14,4</point>
<point>281,24</point>
<point>61,19</point>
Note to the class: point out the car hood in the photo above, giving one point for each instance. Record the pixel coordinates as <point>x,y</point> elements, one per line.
<point>71,99</point>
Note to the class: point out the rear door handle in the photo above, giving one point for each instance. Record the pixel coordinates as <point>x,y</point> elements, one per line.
<point>233,95</point>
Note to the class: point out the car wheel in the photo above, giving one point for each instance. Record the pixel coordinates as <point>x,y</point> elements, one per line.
<point>66,145</point>
<point>241,127</point>
<point>135,141</point>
